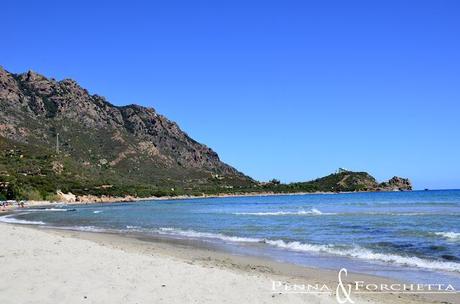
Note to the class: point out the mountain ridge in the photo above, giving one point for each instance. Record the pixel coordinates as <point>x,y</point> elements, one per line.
<point>55,135</point>
<point>45,99</point>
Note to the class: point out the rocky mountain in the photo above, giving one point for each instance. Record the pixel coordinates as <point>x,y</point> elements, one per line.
<point>96,140</point>
<point>55,135</point>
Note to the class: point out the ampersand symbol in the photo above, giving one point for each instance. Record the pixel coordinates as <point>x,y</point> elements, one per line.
<point>342,294</point>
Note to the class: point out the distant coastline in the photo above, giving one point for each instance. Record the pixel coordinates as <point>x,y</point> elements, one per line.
<point>91,199</point>
<point>56,136</point>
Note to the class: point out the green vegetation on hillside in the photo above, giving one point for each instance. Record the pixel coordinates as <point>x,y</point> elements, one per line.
<point>34,173</point>
<point>55,135</point>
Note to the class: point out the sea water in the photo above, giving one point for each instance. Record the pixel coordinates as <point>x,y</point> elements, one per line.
<point>412,236</point>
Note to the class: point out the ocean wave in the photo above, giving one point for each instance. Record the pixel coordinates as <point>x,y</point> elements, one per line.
<point>196,234</point>
<point>315,211</point>
<point>397,213</point>
<point>366,254</point>
<point>413,204</point>
<point>449,235</point>
<point>447,213</point>
<point>312,211</point>
<point>48,209</point>
<point>10,219</point>
<point>402,204</point>
<point>81,228</point>
<point>355,252</point>
<point>133,227</point>
<point>97,211</point>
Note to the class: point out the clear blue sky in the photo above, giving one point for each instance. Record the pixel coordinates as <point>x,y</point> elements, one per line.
<point>285,89</point>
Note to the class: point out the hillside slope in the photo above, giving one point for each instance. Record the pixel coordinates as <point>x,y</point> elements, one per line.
<point>345,181</point>
<point>349,181</point>
<point>54,135</point>
<point>99,144</point>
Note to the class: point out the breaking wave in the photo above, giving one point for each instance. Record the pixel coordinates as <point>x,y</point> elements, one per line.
<point>49,209</point>
<point>312,211</point>
<point>10,219</point>
<point>196,234</point>
<point>366,254</point>
<point>315,211</point>
<point>449,235</point>
<point>354,252</point>
<point>81,228</point>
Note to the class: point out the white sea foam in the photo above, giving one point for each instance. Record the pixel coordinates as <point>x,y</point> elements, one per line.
<point>315,211</point>
<point>449,235</point>
<point>133,227</point>
<point>355,252</point>
<point>365,254</point>
<point>48,209</point>
<point>89,228</point>
<point>10,219</point>
<point>80,228</point>
<point>312,211</point>
<point>97,211</point>
<point>396,213</point>
<point>196,234</point>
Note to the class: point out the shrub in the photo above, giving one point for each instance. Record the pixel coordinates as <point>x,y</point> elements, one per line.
<point>32,195</point>
<point>51,197</point>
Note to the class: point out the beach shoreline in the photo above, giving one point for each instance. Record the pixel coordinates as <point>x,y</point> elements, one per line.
<point>91,199</point>
<point>197,275</point>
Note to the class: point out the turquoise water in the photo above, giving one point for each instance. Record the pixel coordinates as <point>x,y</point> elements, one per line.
<point>408,235</point>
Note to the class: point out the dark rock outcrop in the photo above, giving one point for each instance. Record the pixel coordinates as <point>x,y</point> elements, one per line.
<point>396,184</point>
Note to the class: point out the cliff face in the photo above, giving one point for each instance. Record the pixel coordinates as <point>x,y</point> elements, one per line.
<point>130,142</point>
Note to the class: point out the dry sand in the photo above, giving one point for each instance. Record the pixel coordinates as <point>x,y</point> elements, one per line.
<point>50,266</point>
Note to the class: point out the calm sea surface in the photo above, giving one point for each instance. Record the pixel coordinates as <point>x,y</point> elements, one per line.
<point>413,236</point>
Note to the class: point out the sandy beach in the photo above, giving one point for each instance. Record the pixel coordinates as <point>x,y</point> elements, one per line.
<point>54,266</point>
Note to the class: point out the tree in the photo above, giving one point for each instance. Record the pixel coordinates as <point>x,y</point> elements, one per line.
<point>275,181</point>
